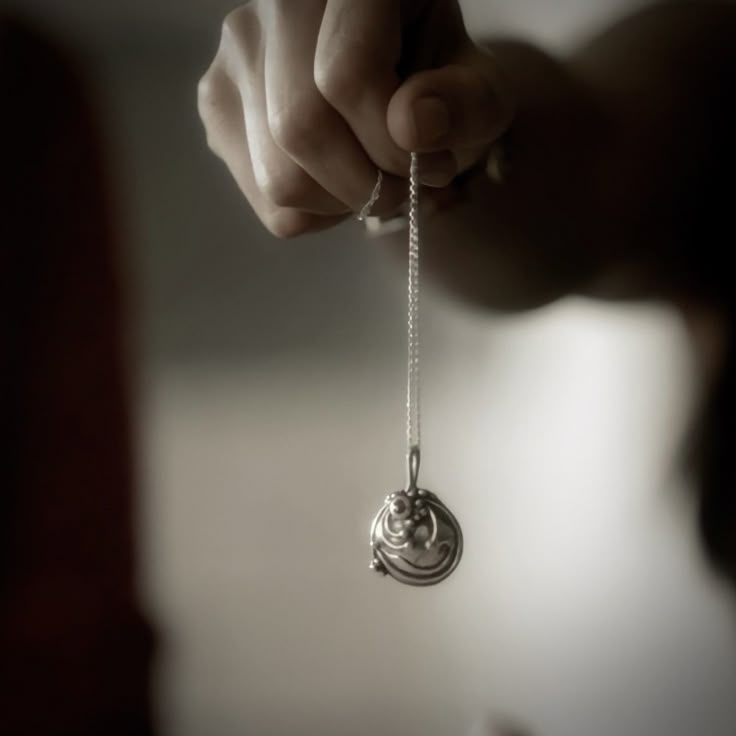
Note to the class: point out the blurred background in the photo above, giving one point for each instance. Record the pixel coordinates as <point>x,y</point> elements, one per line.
<point>266,384</point>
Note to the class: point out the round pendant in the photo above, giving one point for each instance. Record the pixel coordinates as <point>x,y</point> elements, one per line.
<point>415,538</point>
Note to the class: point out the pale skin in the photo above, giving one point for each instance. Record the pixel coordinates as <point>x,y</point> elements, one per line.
<point>619,156</point>
<point>305,100</point>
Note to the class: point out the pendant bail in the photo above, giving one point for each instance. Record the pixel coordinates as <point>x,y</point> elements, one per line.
<point>413,459</point>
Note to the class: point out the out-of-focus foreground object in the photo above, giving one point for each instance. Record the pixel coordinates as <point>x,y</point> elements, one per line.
<point>74,650</point>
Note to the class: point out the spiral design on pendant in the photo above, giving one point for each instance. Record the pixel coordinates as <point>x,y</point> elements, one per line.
<point>415,538</point>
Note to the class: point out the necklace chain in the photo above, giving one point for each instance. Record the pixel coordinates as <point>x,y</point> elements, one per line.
<point>412,387</point>
<point>414,537</point>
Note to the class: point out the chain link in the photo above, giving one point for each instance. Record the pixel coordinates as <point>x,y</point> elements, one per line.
<point>412,388</point>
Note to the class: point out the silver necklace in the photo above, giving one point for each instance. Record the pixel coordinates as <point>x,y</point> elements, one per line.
<point>414,537</point>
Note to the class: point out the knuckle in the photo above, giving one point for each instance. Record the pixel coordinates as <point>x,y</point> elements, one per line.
<point>287,224</point>
<point>298,127</point>
<point>208,102</point>
<point>213,107</point>
<point>241,38</point>
<point>207,96</point>
<point>286,188</point>
<point>338,79</point>
<point>237,23</point>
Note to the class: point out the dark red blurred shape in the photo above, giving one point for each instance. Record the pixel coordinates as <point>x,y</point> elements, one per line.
<point>74,649</point>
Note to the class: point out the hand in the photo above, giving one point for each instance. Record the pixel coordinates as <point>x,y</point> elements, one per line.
<point>305,100</point>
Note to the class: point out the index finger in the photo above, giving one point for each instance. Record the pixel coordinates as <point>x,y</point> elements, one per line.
<point>358,50</point>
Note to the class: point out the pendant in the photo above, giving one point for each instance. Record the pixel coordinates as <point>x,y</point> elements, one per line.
<point>415,538</point>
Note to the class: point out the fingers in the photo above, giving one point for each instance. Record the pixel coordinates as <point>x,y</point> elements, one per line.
<point>296,160</point>
<point>305,127</point>
<point>461,108</point>
<point>279,178</point>
<point>358,50</point>
<point>220,108</point>
<point>303,103</point>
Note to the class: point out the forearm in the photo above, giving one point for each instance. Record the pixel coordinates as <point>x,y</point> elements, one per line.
<point>616,168</point>
<point>664,79</point>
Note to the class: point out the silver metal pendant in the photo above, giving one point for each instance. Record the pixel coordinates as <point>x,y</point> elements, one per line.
<point>415,538</point>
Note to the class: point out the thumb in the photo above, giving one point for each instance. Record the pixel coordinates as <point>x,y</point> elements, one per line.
<point>461,108</point>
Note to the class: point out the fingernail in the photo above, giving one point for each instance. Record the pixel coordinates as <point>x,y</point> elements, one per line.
<point>438,171</point>
<point>431,120</point>
<point>435,178</point>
